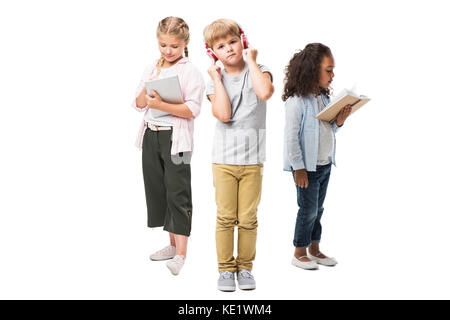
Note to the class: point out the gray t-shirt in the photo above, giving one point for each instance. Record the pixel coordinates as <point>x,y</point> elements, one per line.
<point>242,140</point>
<point>326,138</point>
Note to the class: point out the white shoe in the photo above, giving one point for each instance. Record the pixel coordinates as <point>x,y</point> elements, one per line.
<point>329,262</point>
<point>307,265</point>
<point>175,264</point>
<point>164,254</point>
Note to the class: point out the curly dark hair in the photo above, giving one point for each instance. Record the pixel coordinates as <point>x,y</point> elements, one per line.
<point>303,71</point>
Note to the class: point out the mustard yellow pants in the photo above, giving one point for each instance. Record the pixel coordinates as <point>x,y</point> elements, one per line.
<point>238,193</point>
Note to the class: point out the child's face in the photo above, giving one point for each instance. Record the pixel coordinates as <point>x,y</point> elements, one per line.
<point>171,47</point>
<point>229,50</point>
<point>326,72</point>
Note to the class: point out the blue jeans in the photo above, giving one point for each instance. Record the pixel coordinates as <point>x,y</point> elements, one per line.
<point>310,201</point>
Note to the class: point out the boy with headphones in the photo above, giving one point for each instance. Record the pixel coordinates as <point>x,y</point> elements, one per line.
<point>238,94</point>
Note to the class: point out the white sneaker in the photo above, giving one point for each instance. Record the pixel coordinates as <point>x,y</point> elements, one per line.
<point>307,265</point>
<point>164,254</point>
<point>329,262</point>
<point>175,264</point>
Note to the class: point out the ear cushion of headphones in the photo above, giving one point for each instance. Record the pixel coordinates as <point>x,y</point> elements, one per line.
<point>244,41</point>
<point>211,54</point>
<point>243,38</point>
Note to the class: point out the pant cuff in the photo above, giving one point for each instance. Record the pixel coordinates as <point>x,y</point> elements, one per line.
<point>243,267</point>
<point>301,245</point>
<point>228,269</point>
<point>185,233</point>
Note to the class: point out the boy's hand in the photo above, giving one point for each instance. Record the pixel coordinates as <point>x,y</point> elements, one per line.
<point>154,100</point>
<point>343,115</point>
<point>301,178</point>
<point>251,53</point>
<point>215,72</point>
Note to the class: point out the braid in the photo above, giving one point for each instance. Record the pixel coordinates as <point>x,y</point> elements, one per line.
<point>185,32</point>
<point>184,28</point>
<point>159,66</point>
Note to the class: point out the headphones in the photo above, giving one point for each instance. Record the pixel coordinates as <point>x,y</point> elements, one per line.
<point>244,41</point>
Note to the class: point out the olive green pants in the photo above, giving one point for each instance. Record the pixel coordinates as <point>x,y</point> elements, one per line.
<point>167,181</point>
<point>238,193</point>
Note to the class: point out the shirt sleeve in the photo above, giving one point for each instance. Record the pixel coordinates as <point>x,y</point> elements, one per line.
<point>145,76</point>
<point>294,116</point>
<point>210,88</point>
<point>263,69</point>
<point>193,88</point>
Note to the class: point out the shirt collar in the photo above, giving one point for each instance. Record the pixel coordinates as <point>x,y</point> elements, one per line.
<point>181,61</point>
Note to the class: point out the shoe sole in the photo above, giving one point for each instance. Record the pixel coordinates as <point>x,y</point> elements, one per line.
<point>161,259</point>
<point>306,268</point>
<point>327,265</point>
<point>247,287</point>
<point>226,288</point>
<point>309,269</point>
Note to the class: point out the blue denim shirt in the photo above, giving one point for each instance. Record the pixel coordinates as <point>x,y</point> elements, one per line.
<point>301,133</point>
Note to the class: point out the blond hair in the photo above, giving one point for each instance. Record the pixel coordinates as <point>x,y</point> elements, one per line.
<point>174,26</point>
<point>220,29</point>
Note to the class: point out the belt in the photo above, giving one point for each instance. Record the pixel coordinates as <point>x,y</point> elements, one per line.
<point>156,128</point>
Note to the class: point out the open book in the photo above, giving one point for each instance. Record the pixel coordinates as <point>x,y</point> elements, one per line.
<point>345,97</point>
<point>168,89</point>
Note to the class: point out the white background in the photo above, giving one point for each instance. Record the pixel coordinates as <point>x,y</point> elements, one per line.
<point>72,205</point>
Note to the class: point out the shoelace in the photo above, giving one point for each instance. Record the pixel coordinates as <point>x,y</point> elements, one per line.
<point>246,274</point>
<point>165,250</point>
<point>226,275</point>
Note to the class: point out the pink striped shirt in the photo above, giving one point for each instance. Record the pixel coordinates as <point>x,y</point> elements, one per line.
<point>192,88</point>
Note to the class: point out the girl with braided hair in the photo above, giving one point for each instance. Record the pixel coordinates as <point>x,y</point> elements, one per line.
<point>166,139</point>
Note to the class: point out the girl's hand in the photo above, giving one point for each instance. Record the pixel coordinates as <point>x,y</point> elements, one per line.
<point>140,100</point>
<point>251,53</point>
<point>215,72</point>
<point>301,178</point>
<point>343,115</point>
<point>153,101</point>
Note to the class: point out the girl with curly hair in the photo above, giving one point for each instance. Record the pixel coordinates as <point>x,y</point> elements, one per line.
<point>309,146</point>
